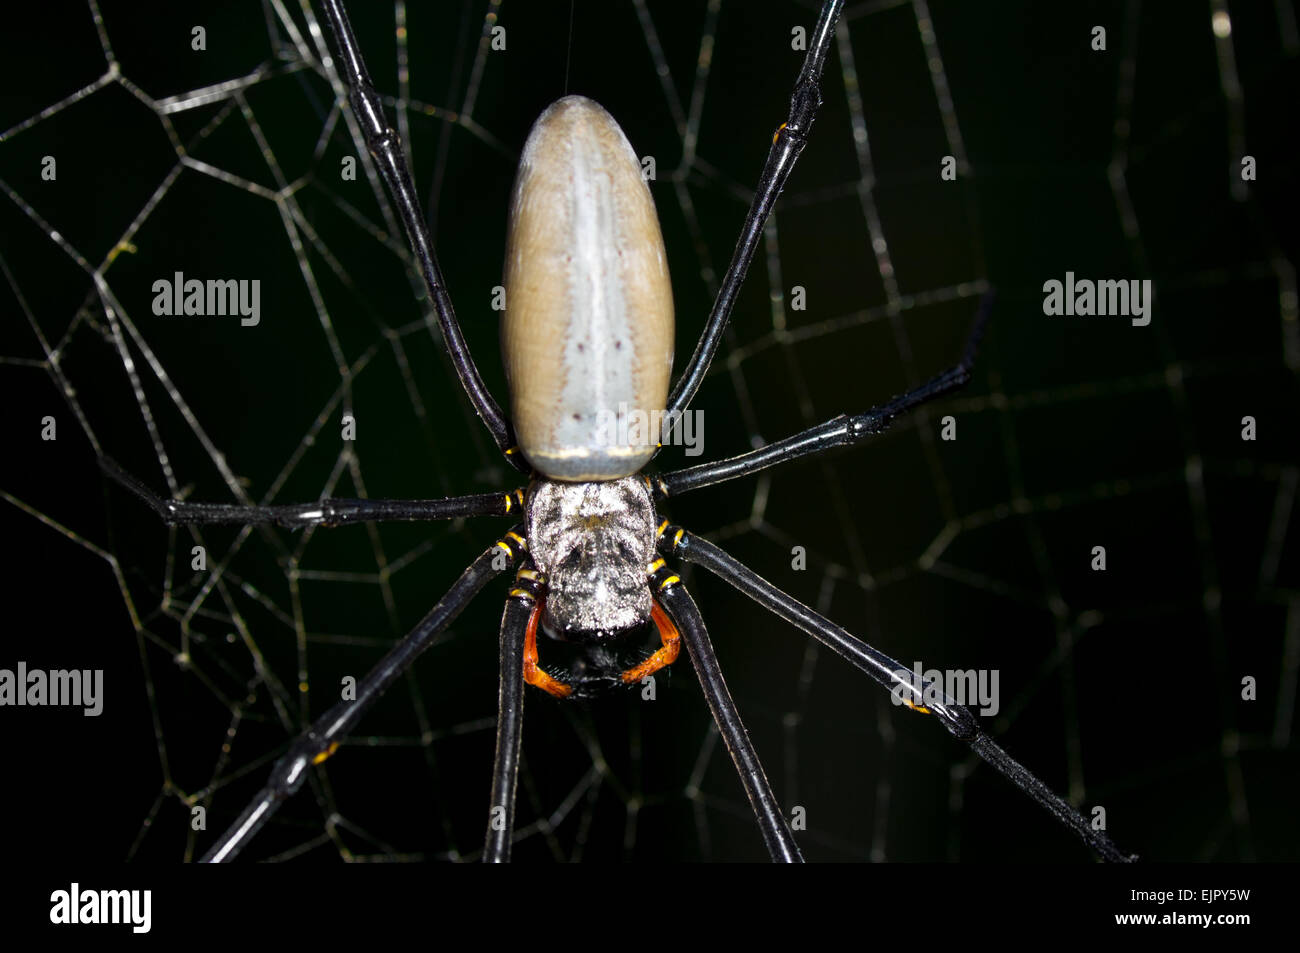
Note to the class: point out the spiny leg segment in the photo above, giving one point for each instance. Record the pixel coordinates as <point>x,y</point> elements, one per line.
<point>510,716</point>
<point>325,512</point>
<point>928,697</point>
<point>777,837</point>
<point>787,144</point>
<point>328,731</point>
<point>846,430</point>
<point>386,147</point>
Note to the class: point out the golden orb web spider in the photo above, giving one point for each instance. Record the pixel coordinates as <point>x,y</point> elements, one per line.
<point>526,600</point>
<point>617,541</point>
<point>447,665</point>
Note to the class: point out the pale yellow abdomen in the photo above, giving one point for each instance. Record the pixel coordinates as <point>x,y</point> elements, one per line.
<point>587,333</point>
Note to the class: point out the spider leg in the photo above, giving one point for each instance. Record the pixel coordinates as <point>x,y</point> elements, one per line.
<point>787,144</point>
<point>515,619</point>
<point>841,431</point>
<point>327,512</point>
<point>681,607</point>
<point>328,731</point>
<point>385,146</point>
<point>891,674</point>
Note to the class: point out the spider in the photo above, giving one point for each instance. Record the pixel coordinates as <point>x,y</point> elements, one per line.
<point>586,542</point>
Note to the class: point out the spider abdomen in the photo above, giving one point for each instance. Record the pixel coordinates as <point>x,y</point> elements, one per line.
<point>587,333</point>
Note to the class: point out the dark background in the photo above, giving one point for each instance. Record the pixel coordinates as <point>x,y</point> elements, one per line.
<point>1121,689</point>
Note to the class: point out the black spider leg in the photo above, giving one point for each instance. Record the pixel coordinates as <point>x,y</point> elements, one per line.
<point>788,143</point>
<point>326,512</point>
<point>958,719</point>
<point>681,607</point>
<point>842,431</point>
<point>510,717</point>
<point>328,731</point>
<point>386,147</point>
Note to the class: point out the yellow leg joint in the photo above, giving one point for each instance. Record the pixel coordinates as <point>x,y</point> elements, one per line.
<point>326,754</point>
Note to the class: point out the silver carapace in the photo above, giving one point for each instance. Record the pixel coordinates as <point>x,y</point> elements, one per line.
<point>587,338</point>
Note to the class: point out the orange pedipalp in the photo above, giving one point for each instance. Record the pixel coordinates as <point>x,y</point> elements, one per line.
<point>533,675</point>
<point>667,652</point>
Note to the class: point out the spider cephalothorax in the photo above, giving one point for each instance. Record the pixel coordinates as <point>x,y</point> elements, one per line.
<point>593,541</point>
<point>593,546</point>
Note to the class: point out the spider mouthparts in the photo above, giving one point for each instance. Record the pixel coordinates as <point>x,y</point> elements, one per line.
<point>593,663</point>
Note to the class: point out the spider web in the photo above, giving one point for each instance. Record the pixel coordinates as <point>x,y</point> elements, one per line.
<point>1120,688</point>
